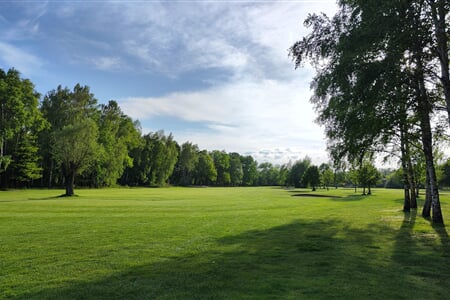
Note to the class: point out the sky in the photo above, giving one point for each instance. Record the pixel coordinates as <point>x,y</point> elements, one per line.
<point>215,73</point>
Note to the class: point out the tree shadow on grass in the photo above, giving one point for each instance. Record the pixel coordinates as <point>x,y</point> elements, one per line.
<point>59,197</point>
<point>423,257</point>
<point>441,230</point>
<point>304,259</point>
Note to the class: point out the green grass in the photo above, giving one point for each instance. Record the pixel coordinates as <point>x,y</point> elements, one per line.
<point>219,243</point>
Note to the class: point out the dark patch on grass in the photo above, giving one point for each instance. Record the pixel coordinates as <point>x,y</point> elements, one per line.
<point>350,198</point>
<point>315,196</point>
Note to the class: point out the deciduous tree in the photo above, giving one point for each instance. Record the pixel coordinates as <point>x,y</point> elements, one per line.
<point>20,123</point>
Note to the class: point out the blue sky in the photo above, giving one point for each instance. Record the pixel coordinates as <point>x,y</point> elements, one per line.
<point>215,73</point>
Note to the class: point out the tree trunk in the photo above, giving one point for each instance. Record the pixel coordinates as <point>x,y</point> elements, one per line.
<point>407,199</point>
<point>50,173</point>
<point>406,186</point>
<point>424,110</point>
<point>417,183</point>
<point>70,182</point>
<point>428,151</point>
<point>426,211</point>
<point>412,183</point>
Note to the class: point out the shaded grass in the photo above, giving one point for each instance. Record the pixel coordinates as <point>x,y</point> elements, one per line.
<point>215,243</point>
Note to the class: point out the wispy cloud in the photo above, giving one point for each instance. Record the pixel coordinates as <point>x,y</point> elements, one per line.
<point>107,63</point>
<point>250,101</point>
<point>25,62</point>
<point>25,25</point>
<point>172,38</point>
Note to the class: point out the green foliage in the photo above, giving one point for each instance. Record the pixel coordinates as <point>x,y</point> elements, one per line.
<point>268,174</point>
<point>249,169</point>
<point>20,123</point>
<point>395,179</point>
<point>374,83</point>
<point>206,172</point>
<point>367,175</point>
<point>327,177</point>
<point>184,171</point>
<point>154,160</point>
<point>117,136</point>
<point>75,149</point>
<point>222,164</point>
<point>70,143</point>
<point>236,170</point>
<point>297,172</point>
<point>26,162</point>
<point>311,177</point>
<point>445,174</point>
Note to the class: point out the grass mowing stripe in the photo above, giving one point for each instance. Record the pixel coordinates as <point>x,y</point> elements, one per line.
<point>218,243</point>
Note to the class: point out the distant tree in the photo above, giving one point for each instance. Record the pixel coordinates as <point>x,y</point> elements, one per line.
<point>222,164</point>
<point>368,176</point>
<point>353,176</point>
<point>326,175</point>
<point>268,175</point>
<point>297,171</point>
<point>312,177</point>
<point>205,171</point>
<point>283,175</point>
<point>339,178</point>
<point>445,171</point>
<point>249,168</point>
<point>236,170</point>
<point>158,158</point>
<point>184,171</point>
<point>394,179</point>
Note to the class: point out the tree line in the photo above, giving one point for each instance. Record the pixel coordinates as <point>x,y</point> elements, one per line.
<point>382,85</point>
<point>68,138</point>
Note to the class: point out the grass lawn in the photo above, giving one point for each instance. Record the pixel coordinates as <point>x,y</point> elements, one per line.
<point>219,243</point>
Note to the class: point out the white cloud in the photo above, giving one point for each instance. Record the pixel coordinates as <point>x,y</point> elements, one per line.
<point>256,102</point>
<point>242,116</point>
<point>264,105</point>
<point>23,61</point>
<point>248,39</point>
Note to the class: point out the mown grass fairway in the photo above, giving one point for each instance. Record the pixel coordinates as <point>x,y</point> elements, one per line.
<point>219,243</point>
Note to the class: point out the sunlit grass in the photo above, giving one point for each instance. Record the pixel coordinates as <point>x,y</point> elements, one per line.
<point>219,243</point>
